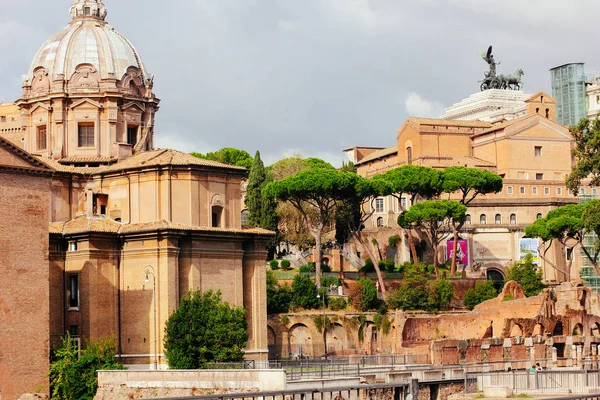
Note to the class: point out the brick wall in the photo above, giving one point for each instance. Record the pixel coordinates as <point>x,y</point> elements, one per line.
<point>24,298</point>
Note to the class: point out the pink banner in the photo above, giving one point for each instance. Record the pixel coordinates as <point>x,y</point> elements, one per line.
<point>463,251</point>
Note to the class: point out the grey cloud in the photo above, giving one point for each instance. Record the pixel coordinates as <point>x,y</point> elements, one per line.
<point>313,76</point>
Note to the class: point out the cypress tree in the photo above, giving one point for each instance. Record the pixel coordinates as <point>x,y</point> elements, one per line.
<point>254,199</point>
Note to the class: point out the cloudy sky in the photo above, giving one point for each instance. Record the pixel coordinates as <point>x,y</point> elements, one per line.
<point>314,76</point>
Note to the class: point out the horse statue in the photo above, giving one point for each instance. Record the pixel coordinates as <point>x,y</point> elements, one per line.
<point>512,81</point>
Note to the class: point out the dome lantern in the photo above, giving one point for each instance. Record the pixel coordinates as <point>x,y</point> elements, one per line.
<point>88,9</point>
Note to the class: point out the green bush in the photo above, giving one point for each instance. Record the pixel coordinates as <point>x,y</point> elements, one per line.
<point>337,303</point>
<point>304,293</point>
<point>307,268</point>
<point>274,264</point>
<point>364,295</point>
<point>394,240</point>
<point>325,267</point>
<point>285,265</point>
<point>387,265</point>
<point>205,329</point>
<point>327,281</point>
<point>368,267</point>
<point>441,295</point>
<point>279,298</point>
<point>73,375</point>
<point>483,291</point>
<point>524,273</point>
<point>413,293</point>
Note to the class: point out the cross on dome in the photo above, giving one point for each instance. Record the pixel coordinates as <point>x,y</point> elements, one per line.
<point>88,9</point>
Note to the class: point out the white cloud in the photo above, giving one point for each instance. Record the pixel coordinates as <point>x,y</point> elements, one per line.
<point>286,25</point>
<point>419,107</point>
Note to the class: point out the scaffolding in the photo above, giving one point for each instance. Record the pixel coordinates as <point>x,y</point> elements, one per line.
<point>587,272</point>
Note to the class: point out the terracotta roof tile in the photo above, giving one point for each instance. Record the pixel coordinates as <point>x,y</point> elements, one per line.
<point>447,122</point>
<point>379,154</point>
<point>74,160</point>
<point>101,224</point>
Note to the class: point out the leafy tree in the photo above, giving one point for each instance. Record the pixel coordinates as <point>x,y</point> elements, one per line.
<point>468,183</point>
<point>228,155</point>
<point>315,194</point>
<point>364,295</point>
<point>355,208</point>
<point>571,223</point>
<point>279,298</point>
<point>587,154</point>
<point>204,329</point>
<point>441,294</point>
<point>483,291</point>
<point>434,216</point>
<point>304,293</point>
<point>413,293</point>
<point>524,273</point>
<point>415,181</point>
<point>73,374</point>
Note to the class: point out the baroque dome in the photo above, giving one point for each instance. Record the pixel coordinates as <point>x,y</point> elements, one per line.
<point>88,39</point>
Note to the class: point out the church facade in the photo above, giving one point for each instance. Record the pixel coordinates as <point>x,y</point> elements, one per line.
<point>132,229</point>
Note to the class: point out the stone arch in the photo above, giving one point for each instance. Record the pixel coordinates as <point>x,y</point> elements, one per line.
<point>336,339</point>
<point>272,343</point>
<point>558,329</point>
<point>595,330</point>
<point>496,275</point>
<point>371,339</point>
<point>517,330</point>
<point>40,83</point>
<point>132,81</point>
<point>538,330</point>
<point>578,330</point>
<point>300,341</point>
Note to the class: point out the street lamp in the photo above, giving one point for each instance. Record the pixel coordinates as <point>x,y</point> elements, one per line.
<point>324,324</point>
<point>150,271</point>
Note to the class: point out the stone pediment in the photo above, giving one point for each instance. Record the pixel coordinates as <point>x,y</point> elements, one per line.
<point>12,157</point>
<point>134,104</point>
<point>39,105</point>
<point>541,97</point>
<point>538,127</point>
<point>86,101</point>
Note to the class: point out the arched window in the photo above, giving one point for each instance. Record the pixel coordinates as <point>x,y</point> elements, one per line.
<point>245,215</point>
<point>379,222</point>
<point>409,154</point>
<point>547,113</point>
<point>513,219</point>
<point>498,219</point>
<point>483,219</point>
<point>468,219</point>
<point>539,216</point>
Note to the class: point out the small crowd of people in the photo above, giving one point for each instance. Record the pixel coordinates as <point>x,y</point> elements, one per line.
<point>536,367</point>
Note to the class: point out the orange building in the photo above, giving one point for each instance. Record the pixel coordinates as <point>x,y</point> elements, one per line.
<point>533,155</point>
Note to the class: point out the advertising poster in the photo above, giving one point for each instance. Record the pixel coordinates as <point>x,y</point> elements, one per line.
<point>529,246</point>
<point>462,256</point>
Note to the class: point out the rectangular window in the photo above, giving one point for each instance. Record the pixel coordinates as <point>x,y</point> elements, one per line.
<point>547,191</point>
<point>2,118</point>
<point>582,191</point>
<point>559,191</point>
<point>379,205</point>
<point>132,135</point>
<point>509,190</point>
<point>42,143</point>
<point>595,191</point>
<point>539,177</point>
<point>73,290</point>
<point>538,151</point>
<point>85,135</point>
<point>522,190</point>
<point>534,191</point>
<point>74,330</point>
<point>402,204</point>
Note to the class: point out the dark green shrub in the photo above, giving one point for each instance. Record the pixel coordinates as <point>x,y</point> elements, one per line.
<point>307,268</point>
<point>413,293</point>
<point>325,267</point>
<point>279,298</point>
<point>483,291</point>
<point>304,293</point>
<point>327,281</point>
<point>524,273</point>
<point>274,264</point>
<point>364,295</point>
<point>73,374</point>
<point>441,294</point>
<point>387,265</point>
<point>337,303</point>
<point>205,329</point>
<point>394,240</point>
<point>368,267</point>
<point>285,265</point>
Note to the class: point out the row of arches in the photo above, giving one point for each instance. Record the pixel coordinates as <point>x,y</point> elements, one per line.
<point>557,330</point>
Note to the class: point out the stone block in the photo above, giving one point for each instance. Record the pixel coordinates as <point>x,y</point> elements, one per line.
<point>507,343</point>
<point>528,342</point>
<point>500,392</point>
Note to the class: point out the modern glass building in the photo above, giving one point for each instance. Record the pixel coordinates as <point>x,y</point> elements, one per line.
<point>568,89</point>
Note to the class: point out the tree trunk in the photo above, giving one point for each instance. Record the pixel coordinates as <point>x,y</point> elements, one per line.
<point>318,245</point>
<point>592,260</point>
<point>435,260</point>
<point>360,239</point>
<point>411,244</point>
<point>456,229</point>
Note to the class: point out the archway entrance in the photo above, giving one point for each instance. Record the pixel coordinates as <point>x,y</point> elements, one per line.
<point>496,276</point>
